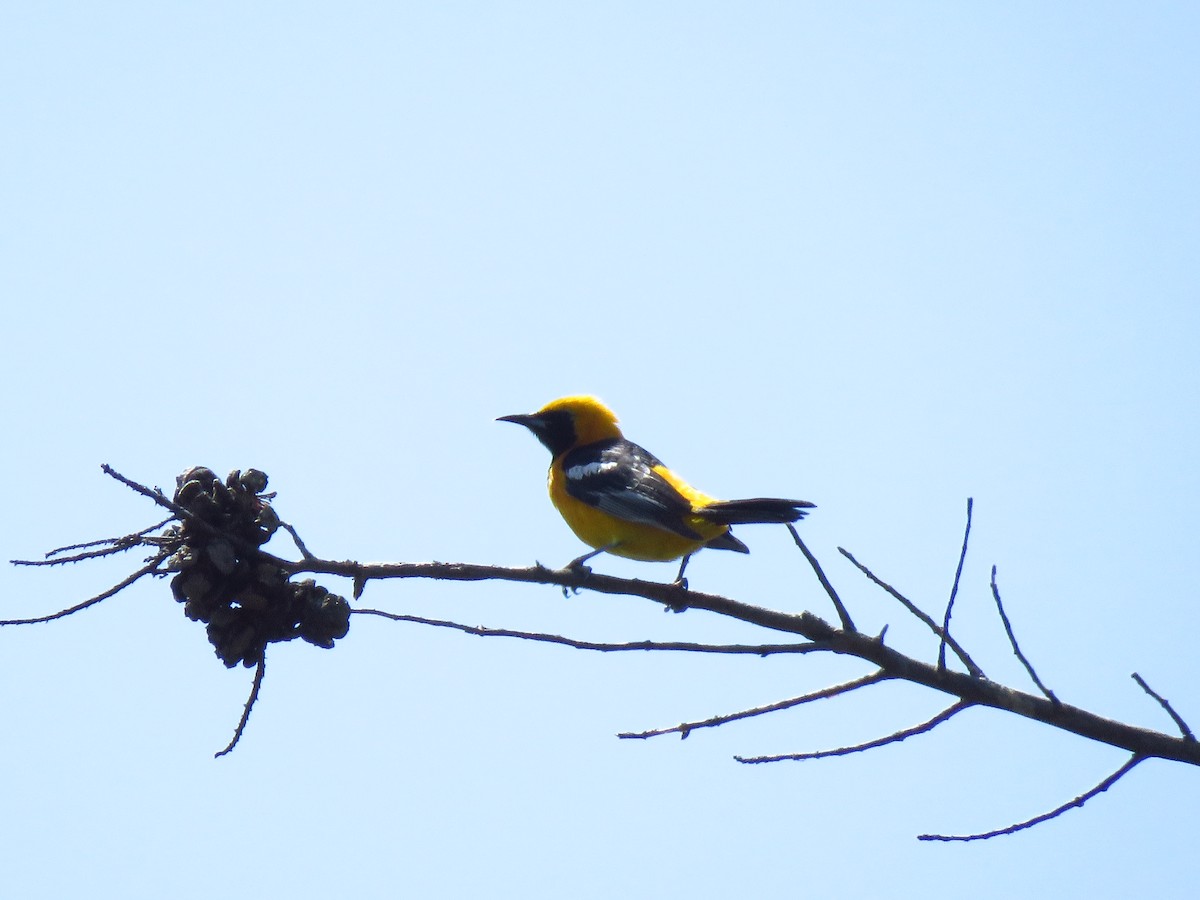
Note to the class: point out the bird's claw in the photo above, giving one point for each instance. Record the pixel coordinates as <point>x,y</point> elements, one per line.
<point>579,569</point>
<point>680,584</point>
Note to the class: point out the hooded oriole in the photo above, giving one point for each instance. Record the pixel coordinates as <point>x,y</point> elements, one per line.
<point>619,498</point>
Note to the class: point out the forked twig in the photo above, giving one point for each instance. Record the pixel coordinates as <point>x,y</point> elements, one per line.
<point>105,547</point>
<point>919,613</point>
<point>125,539</point>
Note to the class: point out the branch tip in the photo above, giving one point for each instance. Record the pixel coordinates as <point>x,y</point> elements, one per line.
<point>1044,817</point>
<point>259,673</point>
<point>1165,704</point>
<point>962,557</point>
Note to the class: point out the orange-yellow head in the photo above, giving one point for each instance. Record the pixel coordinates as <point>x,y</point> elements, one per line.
<point>569,422</point>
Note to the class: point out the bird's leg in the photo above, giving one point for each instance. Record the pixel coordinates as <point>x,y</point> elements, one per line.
<point>577,564</point>
<point>682,583</point>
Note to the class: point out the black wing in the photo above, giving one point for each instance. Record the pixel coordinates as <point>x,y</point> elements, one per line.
<point>617,477</point>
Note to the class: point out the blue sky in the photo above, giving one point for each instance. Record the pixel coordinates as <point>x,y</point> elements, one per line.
<point>881,257</point>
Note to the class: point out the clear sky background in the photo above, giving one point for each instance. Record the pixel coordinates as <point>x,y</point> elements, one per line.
<point>878,256</point>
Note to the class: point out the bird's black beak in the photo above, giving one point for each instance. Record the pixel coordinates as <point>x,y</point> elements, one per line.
<point>553,429</point>
<point>530,421</point>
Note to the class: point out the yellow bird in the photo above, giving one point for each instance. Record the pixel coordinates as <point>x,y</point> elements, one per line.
<point>619,498</point>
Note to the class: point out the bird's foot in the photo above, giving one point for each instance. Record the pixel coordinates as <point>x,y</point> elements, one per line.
<point>579,568</point>
<point>678,606</point>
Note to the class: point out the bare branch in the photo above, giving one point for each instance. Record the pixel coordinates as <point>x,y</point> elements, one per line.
<point>1012,640</point>
<point>1044,817</point>
<point>248,599</point>
<point>1183,726</point>
<point>688,727</point>
<point>150,567</point>
<point>843,613</point>
<point>114,546</point>
<point>919,613</point>
<point>154,494</point>
<point>112,550</point>
<point>106,547</point>
<point>979,691</point>
<point>680,646</point>
<point>260,672</point>
<point>894,738</point>
<point>106,543</point>
<point>126,539</point>
<point>954,589</point>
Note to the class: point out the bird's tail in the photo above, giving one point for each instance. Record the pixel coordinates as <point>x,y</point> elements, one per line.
<point>759,510</point>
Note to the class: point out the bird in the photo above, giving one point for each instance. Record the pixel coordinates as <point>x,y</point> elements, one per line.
<point>619,498</point>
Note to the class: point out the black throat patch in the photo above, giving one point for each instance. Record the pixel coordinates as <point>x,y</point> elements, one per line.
<point>556,430</point>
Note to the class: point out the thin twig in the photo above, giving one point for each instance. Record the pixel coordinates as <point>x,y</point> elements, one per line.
<point>680,646</point>
<point>1183,726</point>
<point>147,569</point>
<point>112,550</point>
<point>259,673</point>
<point>843,613</point>
<point>296,538</point>
<point>893,738</point>
<point>919,613</point>
<point>1037,820</point>
<point>688,727</point>
<point>128,539</point>
<point>1012,639</point>
<point>154,494</point>
<point>954,589</point>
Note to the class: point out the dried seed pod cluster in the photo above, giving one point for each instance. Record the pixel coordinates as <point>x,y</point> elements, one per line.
<point>246,602</point>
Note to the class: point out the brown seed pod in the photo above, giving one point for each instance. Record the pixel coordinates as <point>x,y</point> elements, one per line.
<point>254,480</point>
<point>222,555</point>
<point>188,492</point>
